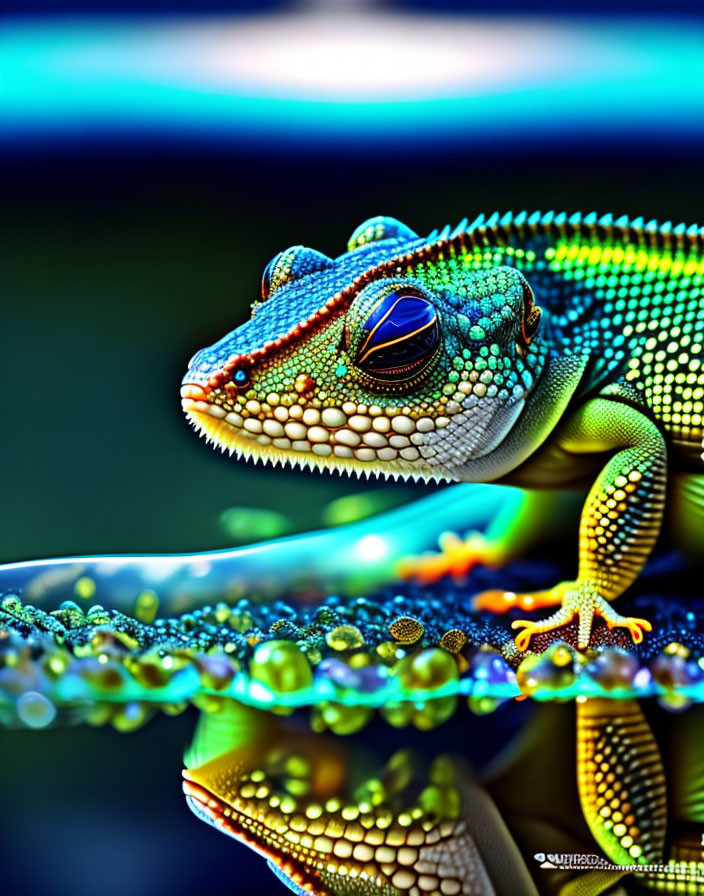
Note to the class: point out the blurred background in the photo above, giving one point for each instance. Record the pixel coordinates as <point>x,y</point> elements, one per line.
<point>154,157</point>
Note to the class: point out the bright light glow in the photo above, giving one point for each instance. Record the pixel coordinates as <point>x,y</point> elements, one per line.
<point>371,547</point>
<point>199,568</point>
<point>338,57</point>
<point>354,74</point>
<point>371,58</point>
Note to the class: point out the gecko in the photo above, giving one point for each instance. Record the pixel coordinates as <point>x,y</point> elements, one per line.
<point>535,351</point>
<point>430,828</point>
<point>544,351</point>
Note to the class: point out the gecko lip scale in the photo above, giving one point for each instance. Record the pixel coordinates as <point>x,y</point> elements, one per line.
<point>211,421</point>
<point>215,812</point>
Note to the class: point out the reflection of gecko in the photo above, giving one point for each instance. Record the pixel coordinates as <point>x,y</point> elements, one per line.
<point>331,816</point>
<point>356,816</point>
<point>542,351</point>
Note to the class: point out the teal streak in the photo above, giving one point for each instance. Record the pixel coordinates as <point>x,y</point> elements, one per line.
<point>352,559</point>
<point>87,76</point>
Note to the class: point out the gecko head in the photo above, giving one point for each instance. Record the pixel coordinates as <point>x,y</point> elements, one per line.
<point>396,358</point>
<point>331,815</point>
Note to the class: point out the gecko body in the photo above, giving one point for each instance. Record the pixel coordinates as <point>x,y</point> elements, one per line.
<point>538,351</point>
<point>544,351</point>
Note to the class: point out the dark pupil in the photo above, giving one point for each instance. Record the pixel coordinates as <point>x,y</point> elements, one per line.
<point>401,332</point>
<point>240,377</point>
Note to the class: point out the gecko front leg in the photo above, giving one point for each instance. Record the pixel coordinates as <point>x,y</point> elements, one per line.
<point>620,521</point>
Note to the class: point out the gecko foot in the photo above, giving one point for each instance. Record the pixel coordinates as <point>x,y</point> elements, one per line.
<point>457,556</point>
<point>581,599</point>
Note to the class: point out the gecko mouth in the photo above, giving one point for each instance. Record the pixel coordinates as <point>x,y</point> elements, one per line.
<point>372,443</point>
<point>254,834</point>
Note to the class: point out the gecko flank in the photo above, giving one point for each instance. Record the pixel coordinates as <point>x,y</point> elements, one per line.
<point>537,350</point>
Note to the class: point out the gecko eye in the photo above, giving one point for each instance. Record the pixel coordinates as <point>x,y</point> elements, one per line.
<point>240,376</point>
<point>399,336</point>
<point>531,316</point>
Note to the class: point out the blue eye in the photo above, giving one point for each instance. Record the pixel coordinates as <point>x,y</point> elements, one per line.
<point>240,376</point>
<point>400,335</point>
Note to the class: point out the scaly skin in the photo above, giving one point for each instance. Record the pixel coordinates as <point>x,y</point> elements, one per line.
<point>541,351</point>
<point>628,813</point>
<point>304,802</point>
<point>471,388</point>
<point>330,821</point>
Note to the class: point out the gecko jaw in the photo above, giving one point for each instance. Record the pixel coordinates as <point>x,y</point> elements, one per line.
<point>210,421</point>
<point>228,820</point>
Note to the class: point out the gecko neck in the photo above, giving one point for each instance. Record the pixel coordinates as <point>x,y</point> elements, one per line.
<point>542,411</point>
